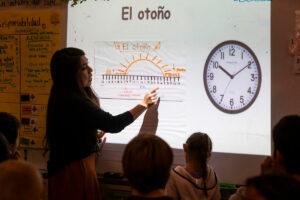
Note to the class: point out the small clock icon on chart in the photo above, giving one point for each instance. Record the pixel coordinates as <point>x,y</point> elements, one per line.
<point>232,77</point>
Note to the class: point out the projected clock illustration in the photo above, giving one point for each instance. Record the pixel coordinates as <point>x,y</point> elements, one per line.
<point>232,77</point>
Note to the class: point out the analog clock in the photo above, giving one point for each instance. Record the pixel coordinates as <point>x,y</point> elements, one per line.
<point>232,76</point>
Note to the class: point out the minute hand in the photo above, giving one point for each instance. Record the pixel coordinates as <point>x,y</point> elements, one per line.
<point>226,72</point>
<point>240,70</point>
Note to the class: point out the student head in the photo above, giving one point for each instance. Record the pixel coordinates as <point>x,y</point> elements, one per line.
<point>198,148</point>
<point>272,187</point>
<point>19,180</point>
<point>4,151</point>
<point>9,126</point>
<point>147,162</point>
<point>286,137</point>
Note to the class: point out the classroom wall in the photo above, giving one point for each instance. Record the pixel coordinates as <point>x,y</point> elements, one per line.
<point>285,91</point>
<point>35,155</point>
<point>285,96</point>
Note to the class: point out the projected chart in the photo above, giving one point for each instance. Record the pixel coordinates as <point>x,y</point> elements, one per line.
<point>132,54</point>
<point>127,70</point>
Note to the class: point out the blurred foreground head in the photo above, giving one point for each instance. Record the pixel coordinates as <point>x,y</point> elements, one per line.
<point>19,180</point>
<point>286,138</point>
<point>147,162</point>
<point>272,187</point>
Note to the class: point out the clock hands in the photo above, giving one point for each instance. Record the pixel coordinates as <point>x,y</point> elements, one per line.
<point>222,95</point>
<point>249,63</point>
<point>232,76</point>
<point>226,72</point>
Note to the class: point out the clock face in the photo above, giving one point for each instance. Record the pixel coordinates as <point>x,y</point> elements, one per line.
<point>232,77</point>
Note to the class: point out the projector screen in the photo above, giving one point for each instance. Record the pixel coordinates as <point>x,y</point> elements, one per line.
<point>210,59</point>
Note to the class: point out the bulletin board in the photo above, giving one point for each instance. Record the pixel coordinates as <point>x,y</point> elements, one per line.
<point>28,39</point>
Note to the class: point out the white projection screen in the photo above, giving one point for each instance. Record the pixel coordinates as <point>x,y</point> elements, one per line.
<point>210,59</point>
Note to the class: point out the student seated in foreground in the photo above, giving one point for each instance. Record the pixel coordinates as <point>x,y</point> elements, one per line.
<point>4,152</point>
<point>9,126</point>
<point>196,180</point>
<point>19,180</point>
<point>286,137</point>
<point>272,187</point>
<point>146,163</point>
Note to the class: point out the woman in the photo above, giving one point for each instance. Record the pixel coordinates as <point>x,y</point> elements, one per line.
<point>73,118</point>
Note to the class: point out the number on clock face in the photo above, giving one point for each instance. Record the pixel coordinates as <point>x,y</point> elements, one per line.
<point>232,76</point>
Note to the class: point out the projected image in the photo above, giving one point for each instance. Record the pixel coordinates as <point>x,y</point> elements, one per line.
<point>210,59</point>
<point>127,70</point>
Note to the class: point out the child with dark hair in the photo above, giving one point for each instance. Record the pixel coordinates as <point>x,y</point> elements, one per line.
<point>197,180</point>
<point>4,153</point>
<point>286,138</point>
<point>146,163</point>
<point>272,187</point>
<point>9,126</point>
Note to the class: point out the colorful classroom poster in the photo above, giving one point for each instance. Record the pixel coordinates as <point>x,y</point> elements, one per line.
<point>28,39</point>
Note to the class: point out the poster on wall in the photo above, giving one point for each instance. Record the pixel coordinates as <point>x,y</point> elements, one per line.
<point>28,39</point>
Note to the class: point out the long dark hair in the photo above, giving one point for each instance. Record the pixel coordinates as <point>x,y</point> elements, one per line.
<point>65,67</point>
<point>199,147</point>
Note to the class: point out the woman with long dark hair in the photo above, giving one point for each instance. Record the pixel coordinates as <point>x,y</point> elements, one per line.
<point>73,118</point>
<point>197,180</point>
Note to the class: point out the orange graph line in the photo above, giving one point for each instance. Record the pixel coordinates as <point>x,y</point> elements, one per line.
<point>166,73</point>
<point>123,65</point>
<point>144,60</point>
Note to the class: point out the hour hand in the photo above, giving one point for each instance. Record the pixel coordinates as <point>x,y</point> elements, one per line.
<point>226,72</point>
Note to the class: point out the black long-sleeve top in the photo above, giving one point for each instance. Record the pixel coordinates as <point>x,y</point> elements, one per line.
<point>73,131</point>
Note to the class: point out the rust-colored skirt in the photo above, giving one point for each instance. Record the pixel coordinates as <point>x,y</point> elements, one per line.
<point>77,181</point>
